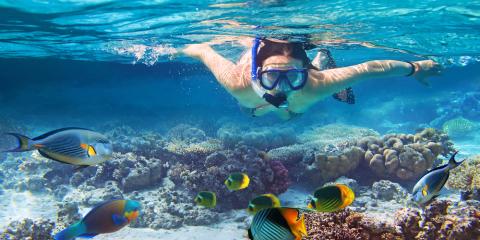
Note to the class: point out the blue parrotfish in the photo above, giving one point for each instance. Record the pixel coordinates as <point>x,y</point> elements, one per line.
<point>107,217</point>
<point>429,186</point>
<point>76,146</point>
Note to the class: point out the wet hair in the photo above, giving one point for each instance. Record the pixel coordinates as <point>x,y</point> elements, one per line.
<point>292,49</point>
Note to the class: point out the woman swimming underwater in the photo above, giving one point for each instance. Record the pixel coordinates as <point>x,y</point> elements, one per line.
<point>277,76</point>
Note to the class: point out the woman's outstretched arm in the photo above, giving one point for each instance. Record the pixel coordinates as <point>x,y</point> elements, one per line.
<point>333,80</point>
<point>226,72</point>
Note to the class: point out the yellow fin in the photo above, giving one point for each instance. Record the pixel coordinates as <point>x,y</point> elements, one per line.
<point>91,151</point>
<point>245,182</point>
<point>347,195</point>
<point>424,190</point>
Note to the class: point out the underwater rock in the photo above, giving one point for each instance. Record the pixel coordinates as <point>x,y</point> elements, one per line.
<point>408,221</point>
<point>386,190</point>
<point>35,184</point>
<point>186,133</point>
<point>28,229</point>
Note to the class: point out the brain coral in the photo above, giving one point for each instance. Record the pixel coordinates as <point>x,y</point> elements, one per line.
<point>466,176</point>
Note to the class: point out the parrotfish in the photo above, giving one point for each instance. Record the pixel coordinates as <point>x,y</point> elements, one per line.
<point>278,224</point>
<point>76,146</point>
<point>331,198</point>
<point>206,199</point>
<point>108,217</point>
<point>429,186</point>
<point>237,181</point>
<point>263,201</point>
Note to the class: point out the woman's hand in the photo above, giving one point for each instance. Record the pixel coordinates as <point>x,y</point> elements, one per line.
<point>425,69</point>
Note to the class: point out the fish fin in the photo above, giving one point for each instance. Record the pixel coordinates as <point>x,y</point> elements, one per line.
<point>452,163</point>
<point>246,181</point>
<point>88,235</point>
<point>119,220</point>
<point>57,131</point>
<point>346,96</point>
<point>301,226</point>
<point>71,232</point>
<point>24,143</point>
<point>45,154</point>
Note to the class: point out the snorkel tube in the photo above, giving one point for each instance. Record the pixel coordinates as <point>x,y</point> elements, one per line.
<point>278,100</point>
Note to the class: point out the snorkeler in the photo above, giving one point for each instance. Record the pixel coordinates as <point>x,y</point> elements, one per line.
<point>277,76</point>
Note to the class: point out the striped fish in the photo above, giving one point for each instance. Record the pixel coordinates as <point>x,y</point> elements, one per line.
<point>263,201</point>
<point>278,224</point>
<point>76,146</point>
<point>429,186</point>
<point>332,198</point>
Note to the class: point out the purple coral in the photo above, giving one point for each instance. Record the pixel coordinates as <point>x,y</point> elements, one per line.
<point>281,180</point>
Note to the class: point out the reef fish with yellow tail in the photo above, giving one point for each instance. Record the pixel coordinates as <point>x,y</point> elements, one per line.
<point>237,181</point>
<point>261,202</point>
<point>429,186</point>
<point>108,217</point>
<point>278,224</point>
<point>76,146</point>
<point>331,198</point>
<point>206,199</point>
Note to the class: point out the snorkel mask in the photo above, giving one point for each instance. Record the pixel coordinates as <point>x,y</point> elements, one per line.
<point>283,80</point>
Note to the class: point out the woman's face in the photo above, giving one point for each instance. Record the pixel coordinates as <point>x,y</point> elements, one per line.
<point>281,63</point>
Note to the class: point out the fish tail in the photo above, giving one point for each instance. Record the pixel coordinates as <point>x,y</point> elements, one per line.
<point>71,232</point>
<point>24,143</point>
<point>452,163</point>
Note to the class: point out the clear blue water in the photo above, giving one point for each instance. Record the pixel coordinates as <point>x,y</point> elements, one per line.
<point>87,63</point>
<point>80,53</point>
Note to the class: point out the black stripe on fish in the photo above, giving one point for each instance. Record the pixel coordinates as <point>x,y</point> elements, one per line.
<point>48,134</point>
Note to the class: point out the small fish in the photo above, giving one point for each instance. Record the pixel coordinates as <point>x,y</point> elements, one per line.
<point>76,146</point>
<point>206,199</point>
<point>331,198</point>
<point>263,201</point>
<point>429,186</point>
<point>237,181</point>
<point>108,217</point>
<point>278,224</point>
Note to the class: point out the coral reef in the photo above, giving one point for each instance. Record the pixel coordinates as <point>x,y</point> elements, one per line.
<point>28,229</point>
<point>440,220</point>
<point>266,176</point>
<point>347,225</point>
<point>404,156</point>
<point>466,176</point>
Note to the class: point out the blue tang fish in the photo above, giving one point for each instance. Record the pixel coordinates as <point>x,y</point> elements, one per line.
<point>429,186</point>
<point>107,217</point>
<point>77,146</point>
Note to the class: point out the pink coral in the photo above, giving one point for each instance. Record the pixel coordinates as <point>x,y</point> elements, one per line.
<point>281,180</point>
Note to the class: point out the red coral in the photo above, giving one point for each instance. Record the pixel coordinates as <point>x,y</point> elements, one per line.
<point>281,180</point>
